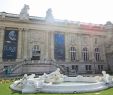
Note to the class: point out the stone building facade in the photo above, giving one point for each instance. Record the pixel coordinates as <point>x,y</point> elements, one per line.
<point>77,47</point>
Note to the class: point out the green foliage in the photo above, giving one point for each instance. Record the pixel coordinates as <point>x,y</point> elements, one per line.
<point>5,90</point>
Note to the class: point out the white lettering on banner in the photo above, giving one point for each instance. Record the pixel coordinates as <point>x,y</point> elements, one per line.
<point>9,48</point>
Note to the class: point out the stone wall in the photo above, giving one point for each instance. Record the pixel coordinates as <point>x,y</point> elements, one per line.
<point>36,31</point>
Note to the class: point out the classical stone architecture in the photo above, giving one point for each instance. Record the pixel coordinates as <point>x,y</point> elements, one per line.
<point>36,44</point>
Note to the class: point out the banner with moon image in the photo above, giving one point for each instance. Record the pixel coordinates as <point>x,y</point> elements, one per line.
<point>10,45</point>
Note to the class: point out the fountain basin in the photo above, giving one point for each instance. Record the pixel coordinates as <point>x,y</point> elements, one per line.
<point>59,83</point>
<point>74,87</point>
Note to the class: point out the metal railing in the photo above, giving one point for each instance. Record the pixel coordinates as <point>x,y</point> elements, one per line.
<point>11,68</point>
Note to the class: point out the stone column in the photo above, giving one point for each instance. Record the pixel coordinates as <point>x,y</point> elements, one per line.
<point>102,53</point>
<point>79,49</point>
<point>30,43</point>
<point>91,52</point>
<point>25,43</point>
<point>47,45</point>
<point>66,47</point>
<point>1,41</point>
<point>19,54</point>
<point>52,46</point>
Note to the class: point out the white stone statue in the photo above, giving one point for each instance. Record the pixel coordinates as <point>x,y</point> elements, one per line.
<point>21,83</point>
<point>24,15</point>
<point>54,77</point>
<point>49,15</point>
<point>106,77</point>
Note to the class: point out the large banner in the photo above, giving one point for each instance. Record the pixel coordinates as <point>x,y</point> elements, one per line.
<point>10,44</point>
<point>59,46</point>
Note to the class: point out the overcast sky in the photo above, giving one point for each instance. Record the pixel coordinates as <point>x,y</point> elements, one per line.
<point>89,11</point>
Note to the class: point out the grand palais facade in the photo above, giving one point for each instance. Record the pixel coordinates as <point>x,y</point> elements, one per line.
<point>30,44</point>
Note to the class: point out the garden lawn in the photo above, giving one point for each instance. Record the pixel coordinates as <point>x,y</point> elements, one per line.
<point>5,90</point>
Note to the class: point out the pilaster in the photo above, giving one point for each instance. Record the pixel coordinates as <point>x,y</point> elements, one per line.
<point>66,47</point>
<point>25,45</point>
<point>19,55</point>
<point>79,49</point>
<point>91,52</point>
<point>47,45</point>
<point>1,41</point>
<point>52,46</point>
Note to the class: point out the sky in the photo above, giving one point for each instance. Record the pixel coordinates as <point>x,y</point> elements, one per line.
<point>88,11</point>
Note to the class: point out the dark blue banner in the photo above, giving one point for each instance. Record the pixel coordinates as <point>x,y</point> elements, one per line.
<point>59,46</point>
<point>10,44</point>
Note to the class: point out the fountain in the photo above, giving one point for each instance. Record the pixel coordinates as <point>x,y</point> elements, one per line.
<point>56,82</point>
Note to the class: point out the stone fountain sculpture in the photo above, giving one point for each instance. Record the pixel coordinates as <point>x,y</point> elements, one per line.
<point>54,77</point>
<point>56,82</point>
<point>106,77</point>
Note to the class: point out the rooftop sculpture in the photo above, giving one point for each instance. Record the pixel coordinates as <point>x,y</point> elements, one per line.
<point>24,15</point>
<point>49,15</point>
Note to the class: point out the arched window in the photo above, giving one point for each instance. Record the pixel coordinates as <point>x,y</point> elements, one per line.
<point>85,54</point>
<point>36,52</point>
<point>97,54</point>
<point>73,53</point>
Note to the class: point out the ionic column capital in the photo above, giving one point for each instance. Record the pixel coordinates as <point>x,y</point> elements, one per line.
<point>20,29</point>
<point>25,29</point>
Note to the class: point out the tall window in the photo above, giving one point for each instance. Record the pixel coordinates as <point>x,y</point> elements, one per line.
<point>97,54</point>
<point>85,54</point>
<point>35,52</point>
<point>75,67</point>
<point>73,53</point>
<point>88,67</point>
<point>100,67</point>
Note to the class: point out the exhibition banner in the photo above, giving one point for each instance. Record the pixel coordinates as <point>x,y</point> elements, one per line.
<point>59,46</point>
<point>10,44</point>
